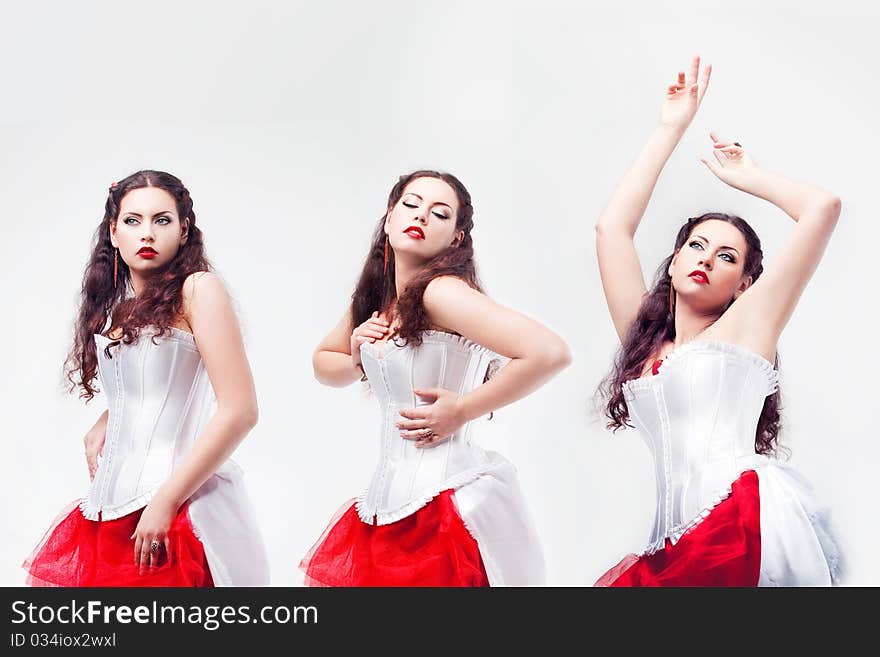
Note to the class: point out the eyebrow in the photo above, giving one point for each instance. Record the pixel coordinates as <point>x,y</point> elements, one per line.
<point>421,199</point>
<point>135,214</point>
<point>721,247</point>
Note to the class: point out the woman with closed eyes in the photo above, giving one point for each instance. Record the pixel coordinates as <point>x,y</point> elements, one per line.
<point>696,372</point>
<point>439,510</point>
<point>156,331</point>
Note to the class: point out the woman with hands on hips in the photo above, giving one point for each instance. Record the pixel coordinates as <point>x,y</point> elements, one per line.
<point>440,510</point>
<point>166,506</point>
<point>696,371</point>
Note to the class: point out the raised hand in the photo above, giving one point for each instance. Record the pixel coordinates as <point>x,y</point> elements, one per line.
<point>375,328</point>
<point>684,96</point>
<point>732,164</point>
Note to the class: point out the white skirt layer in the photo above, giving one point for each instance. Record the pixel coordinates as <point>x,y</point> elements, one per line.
<point>495,513</point>
<point>797,543</point>
<point>224,520</point>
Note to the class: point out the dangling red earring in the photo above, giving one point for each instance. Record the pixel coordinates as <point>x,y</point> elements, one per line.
<point>115,265</point>
<point>385,260</point>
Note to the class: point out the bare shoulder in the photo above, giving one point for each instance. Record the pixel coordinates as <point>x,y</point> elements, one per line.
<point>447,299</point>
<point>201,280</point>
<point>203,292</point>
<point>443,289</point>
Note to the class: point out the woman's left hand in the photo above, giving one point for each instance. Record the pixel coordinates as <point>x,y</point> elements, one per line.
<point>151,534</point>
<point>733,165</point>
<point>435,423</point>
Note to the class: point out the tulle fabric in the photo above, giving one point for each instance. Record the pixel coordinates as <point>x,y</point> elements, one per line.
<point>80,552</point>
<point>723,550</point>
<point>430,547</point>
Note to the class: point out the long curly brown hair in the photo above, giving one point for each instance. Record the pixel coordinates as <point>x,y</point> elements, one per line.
<point>655,324</point>
<point>376,290</point>
<point>106,307</point>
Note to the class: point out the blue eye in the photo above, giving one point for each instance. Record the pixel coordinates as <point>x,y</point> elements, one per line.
<point>726,256</point>
<point>163,221</point>
<point>130,221</point>
<point>695,245</point>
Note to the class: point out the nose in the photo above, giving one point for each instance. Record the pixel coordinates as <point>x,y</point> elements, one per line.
<point>707,263</point>
<point>147,232</point>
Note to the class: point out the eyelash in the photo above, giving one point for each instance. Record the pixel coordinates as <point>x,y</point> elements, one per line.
<point>436,214</point>
<point>164,219</point>
<point>729,257</point>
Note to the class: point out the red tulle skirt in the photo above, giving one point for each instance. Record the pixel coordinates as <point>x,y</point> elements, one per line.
<point>80,552</point>
<point>723,550</point>
<point>431,547</point>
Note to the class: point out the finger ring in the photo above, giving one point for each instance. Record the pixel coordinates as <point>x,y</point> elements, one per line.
<point>427,435</point>
<point>736,143</point>
<point>154,547</point>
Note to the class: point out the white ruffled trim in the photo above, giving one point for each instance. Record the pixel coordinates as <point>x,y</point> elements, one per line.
<point>763,365</point>
<point>178,335</point>
<point>497,360</point>
<point>434,336</point>
<point>90,511</point>
<point>421,499</point>
<point>676,533</point>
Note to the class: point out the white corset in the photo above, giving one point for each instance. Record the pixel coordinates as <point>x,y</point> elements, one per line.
<point>159,398</point>
<point>698,416</point>
<point>408,477</point>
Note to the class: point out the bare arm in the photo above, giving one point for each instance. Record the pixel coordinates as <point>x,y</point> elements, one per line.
<point>619,266</point>
<point>337,358</point>
<point>218,337</point>
<point>537,353</point>
<point>759,315</point>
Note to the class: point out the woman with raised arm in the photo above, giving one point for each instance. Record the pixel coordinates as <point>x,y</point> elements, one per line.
<point>696,375</point>
<point>439,511</point>
<point>166,506</point>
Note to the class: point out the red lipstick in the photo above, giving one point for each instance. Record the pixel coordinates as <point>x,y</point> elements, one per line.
<point>147,252</point>
<point>415,232</point>
<point>700,276</point>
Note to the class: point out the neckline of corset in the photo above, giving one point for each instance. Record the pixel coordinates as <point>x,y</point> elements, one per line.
<point>707,344</point>
<point>186,336</point>
<point>431,334</point>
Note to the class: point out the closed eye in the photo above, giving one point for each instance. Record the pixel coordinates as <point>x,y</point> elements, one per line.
<point>410,205</point>
<point>440,215</point>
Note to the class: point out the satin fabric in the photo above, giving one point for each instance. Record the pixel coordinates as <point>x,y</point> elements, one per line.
<point>159,399</point>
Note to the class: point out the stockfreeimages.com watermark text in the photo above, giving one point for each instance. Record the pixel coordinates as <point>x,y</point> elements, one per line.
<point>210,617</point>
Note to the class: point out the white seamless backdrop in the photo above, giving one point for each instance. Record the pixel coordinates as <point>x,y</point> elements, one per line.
<point>289,122</point>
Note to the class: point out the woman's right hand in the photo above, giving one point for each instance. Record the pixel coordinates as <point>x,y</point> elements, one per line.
<point>375,328</point>
<point>94,444</point>
<point>684,96</point>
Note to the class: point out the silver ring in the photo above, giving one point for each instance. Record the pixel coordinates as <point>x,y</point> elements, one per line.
<point>154,547</point>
